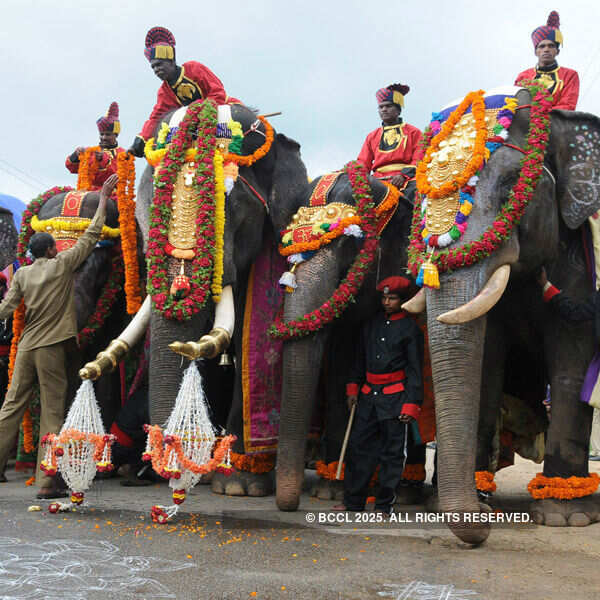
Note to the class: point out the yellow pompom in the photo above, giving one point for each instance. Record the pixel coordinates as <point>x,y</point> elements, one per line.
<point>431,277</point>
<point>466,207</point>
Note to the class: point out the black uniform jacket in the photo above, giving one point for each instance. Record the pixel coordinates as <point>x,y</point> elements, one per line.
<point>388,366</point>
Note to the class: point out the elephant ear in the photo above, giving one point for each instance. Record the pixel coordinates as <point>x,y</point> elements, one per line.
<point>289,177</point>
<point>575,145</point>
<point>8,238</point>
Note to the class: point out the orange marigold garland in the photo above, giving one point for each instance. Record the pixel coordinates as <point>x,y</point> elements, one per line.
<point>563,488</point>
<point>246,161</point>
<point>415,472</point>
<point>18,326</point>
<point>126,204</point>
<point>88,168</point>
<point>27,424</point>
<point>253,463</point>
<point>484,481</point>
<point>479,151</point>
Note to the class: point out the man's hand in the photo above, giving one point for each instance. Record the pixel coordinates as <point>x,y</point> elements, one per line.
<point>107,190</point>
<point>541,277</point>
<point>79,150</point>
<point>397,180</point>
<point>352,401</point>
<point>405,418</point>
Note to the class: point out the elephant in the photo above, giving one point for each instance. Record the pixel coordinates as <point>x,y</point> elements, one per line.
<point>261,202</point>
<point>487,330</point>
<point>8,238</point>
<point>317,278</point>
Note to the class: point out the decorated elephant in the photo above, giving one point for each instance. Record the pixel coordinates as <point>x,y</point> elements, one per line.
<point>484,230</point>
<point>180,220</point>
<point>327,281</point>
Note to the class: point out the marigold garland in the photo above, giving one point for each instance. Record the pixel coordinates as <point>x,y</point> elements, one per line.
<point>27,424</point>
<point>217,278</point>
<point>201,118</point>
<point>476,100</point>
<point>249,160</point>
<point>253,463</point>
<point>18,327</point>
<point>350,286</point>
<point>88,168</point>
<point>127,225</point>
<point>159,455</point>
<point>484,481</point>
<point>566,488</point>
<point>511,211</point>
<point>414,472</point>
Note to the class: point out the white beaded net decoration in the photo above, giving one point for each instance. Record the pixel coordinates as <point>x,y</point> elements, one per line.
<point>77,465</point>
<point>190,422</point>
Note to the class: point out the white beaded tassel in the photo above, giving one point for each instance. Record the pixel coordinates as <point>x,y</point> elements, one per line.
<point>77,464</point>
<point>191,423</point>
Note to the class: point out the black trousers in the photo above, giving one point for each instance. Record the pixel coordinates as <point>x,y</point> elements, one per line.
<point>374,442</point>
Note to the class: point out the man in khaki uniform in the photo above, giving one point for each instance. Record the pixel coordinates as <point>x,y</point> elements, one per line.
<point>46,286</point>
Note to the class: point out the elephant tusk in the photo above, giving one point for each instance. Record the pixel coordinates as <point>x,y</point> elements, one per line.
<point>108,359</point>
<point>483,302</point>
<point>416,304</point>
<point>208,346</point>
<point>217,340</point>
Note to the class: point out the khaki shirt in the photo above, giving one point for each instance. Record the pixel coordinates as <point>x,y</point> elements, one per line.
<point>47,287</point>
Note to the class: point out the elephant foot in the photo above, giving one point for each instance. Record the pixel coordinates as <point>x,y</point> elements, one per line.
<point>328,489</point>
<point>578,512</point>
<point>242,483</point>
<point>409,493</point>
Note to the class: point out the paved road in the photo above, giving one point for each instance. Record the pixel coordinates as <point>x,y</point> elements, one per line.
<point>238,548</point>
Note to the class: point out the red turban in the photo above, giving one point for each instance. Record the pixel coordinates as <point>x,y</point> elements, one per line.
<point>160,43</point>
<point>109,123</point>
<point>549,31</point>
<point>394,285</point>
<point>392,93</point>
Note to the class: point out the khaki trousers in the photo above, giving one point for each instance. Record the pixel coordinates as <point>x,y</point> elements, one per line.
<point>595,437</point>
<point>47,365</point>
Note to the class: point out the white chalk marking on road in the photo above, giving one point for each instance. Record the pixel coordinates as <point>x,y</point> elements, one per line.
<point>70,570</point>
<point>420,590</point>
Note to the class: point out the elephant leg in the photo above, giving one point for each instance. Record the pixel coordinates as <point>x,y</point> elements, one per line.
<point>567,443</point>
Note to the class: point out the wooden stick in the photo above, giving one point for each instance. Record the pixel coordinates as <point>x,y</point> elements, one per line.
<point>275,114</point>
<point>345,444</point>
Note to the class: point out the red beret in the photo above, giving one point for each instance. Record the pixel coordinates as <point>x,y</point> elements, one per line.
<point>394,285</point>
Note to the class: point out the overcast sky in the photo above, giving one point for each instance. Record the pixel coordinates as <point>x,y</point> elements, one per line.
<point>317,61</point>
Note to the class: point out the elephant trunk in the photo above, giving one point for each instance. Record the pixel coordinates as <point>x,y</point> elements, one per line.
<point>301,367</point>
<point>456,360</point>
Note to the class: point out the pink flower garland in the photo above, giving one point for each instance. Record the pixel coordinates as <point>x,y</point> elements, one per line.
<point>512,210</point>
<point>350,286</point>
<point>201,117</point>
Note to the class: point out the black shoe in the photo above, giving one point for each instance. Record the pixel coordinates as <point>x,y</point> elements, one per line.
<point>3,478</point>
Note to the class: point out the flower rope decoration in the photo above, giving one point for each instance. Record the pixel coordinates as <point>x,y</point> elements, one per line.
<point>127,225</point>
<point>511,211</point>
<point>350,286</point>
<point>201,117</point>
<point>217,279</point>
<point>566,488</point>
<point>82,224</point>
<point>88,168</point>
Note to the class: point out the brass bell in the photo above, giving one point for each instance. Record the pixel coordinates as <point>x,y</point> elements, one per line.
<point>225,360</point>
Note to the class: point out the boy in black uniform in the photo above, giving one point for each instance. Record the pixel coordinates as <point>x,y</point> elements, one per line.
<point>388,372</point>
